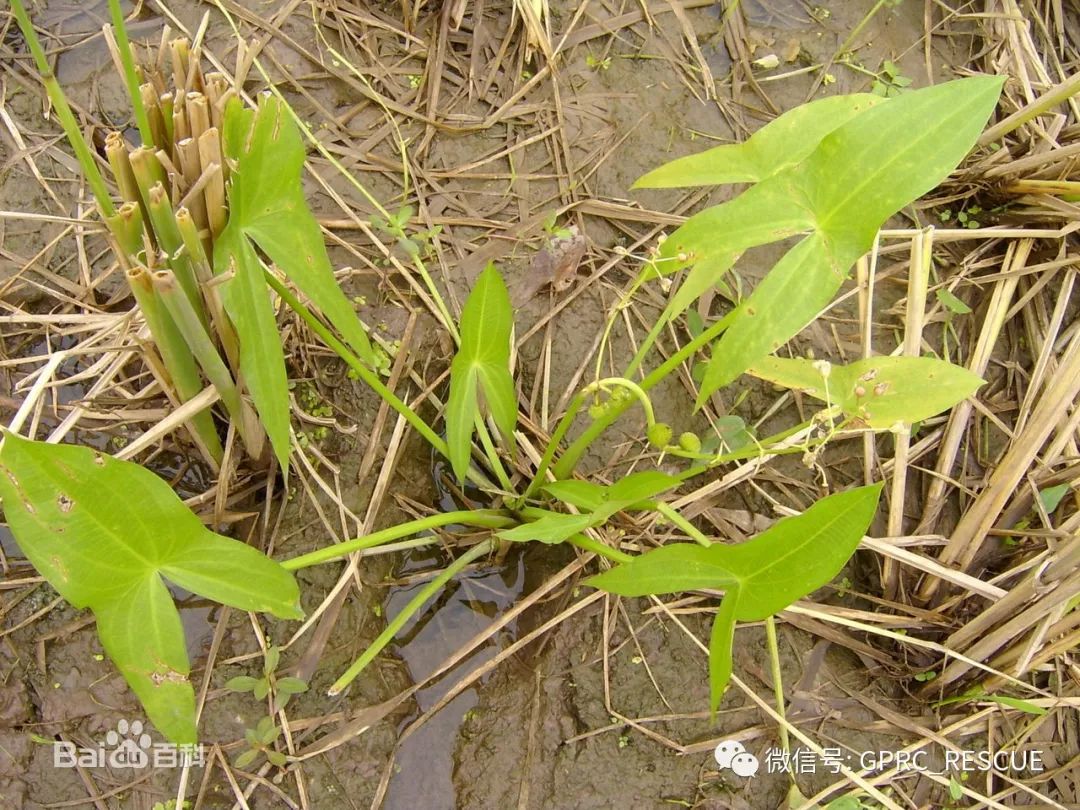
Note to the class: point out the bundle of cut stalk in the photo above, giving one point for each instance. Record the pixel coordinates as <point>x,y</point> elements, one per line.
<point>173,207</point>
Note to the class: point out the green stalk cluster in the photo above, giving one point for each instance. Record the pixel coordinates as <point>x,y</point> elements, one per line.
<point>165,248</point>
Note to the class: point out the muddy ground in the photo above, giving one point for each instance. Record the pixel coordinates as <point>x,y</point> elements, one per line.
<point>608,707</point>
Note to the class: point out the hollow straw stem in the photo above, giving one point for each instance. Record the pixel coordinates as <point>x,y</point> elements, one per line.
<point>216,88</point>
<point>204,275</point>
<point>413,607</point>
<point>126,226</point>
<point>1056,95</point>
<point>157,119</point>
<point>180,126</point>
<point>198,341</point>
<point>214,192</point>
<point>180,50</point>
<point>178,360</point>
<point>198,115</point>
<point>479,518</point>
<point>165,105</point>
<point>170,240</point>
<point>116,150</point>
<point>191,168</point>
<point>148,172</point>
<point>63,112</point>
<point>131,75</point>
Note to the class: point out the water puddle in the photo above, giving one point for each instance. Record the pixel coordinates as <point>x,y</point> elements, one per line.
<point>789,14</point>
<point>425,761</point>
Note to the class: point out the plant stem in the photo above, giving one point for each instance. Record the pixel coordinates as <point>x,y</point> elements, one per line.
<point>481,518</point>
<point>777,676</point>
<point>366,374</point>
<point>414,606</point>
<point>566,464</point>
<point>198,341</point>
<point>176,357</point>
<point>126,226</point>
<point>130,74</point>
<point>676,519</point>
<point>170,241</point>
<point>645,274</point>
<point>440,304</point>
<point>492,454</point>
<point>204,275</point>
<point>116,151</point>
<point>63,112</point>
<point>568,419</point>
<point>148,172</point>
<point>628,385</point>
<point>553,445</point>
<point>647,344</point>
<point>596,547</point>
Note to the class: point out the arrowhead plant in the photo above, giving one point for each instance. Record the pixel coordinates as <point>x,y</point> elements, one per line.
<point>110,536</point>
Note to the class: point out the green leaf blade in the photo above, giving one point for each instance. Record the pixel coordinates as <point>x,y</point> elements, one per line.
<point>879,392</point>
<point>583,495</point>
<point>268,208</point>
<point>235,574</point>
<point>481,365</point>
<point>631,492</point>
<point>721,642</point>
<point>550,528</point>
<point>103,532</point>
<point>241,683</point>
<point>142,635</point>
<point>797,555</point>
<point>262,361</point>
<point>56,494</point>
<point>800,285</point>
<point>783,142</point>
<point>760,577</point>
<point>461,409</point>
<point>867,170</point>
<point>668,569</point>
<point>858,175</point>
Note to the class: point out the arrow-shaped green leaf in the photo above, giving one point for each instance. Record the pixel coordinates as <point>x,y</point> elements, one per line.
<point>481,366</point>
<point>795,556</point>
<point>603,502</point>
<point>835,170</point>
<point>879,391</point>
<point>859,175</point>
<point>105,533</point>
<point>597,503</point>
<point>267,209</point>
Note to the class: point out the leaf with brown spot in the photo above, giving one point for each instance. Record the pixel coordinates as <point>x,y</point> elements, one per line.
<point>106,534</point>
